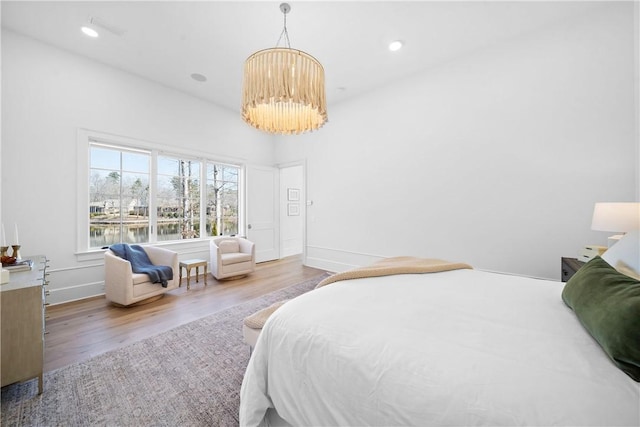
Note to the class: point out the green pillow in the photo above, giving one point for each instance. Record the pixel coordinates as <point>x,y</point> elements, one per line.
<point>607,304</point>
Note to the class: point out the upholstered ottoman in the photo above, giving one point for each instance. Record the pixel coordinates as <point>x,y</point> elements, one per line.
<point>252,325</point>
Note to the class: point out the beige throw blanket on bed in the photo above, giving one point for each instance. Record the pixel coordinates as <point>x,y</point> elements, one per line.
<point>385,267</point>
<point>396,265</point>
<point>258,319</point>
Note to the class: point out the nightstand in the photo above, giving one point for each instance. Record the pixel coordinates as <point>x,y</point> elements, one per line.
<point>569,267</point>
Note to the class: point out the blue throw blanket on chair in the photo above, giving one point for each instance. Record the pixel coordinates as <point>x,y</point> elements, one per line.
<point>140,263</point>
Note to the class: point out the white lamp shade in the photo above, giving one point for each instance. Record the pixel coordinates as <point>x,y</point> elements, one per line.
<point>616,217</point>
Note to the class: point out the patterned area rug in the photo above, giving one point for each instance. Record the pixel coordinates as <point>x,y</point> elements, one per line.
<point>188,376</point>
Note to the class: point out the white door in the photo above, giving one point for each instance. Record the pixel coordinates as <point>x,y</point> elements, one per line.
<point>262,211</point>
<point>292,210</point>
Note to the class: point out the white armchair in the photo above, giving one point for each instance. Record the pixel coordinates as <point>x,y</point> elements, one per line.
<point>232,256</point>
<point>124,287</point>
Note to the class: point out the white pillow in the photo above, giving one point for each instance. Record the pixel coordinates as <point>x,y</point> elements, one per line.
<point>229,246</point>
<point>625,254</point>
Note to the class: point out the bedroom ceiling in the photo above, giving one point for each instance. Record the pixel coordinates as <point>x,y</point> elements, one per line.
<point>168,41</point>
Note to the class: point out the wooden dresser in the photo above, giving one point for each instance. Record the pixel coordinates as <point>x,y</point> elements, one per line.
<point>22,309</point>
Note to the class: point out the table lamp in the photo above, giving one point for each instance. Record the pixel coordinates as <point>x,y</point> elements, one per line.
<point>616,217</point>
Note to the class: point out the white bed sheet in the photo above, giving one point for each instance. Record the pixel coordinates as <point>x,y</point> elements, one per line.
<point>464,347</point>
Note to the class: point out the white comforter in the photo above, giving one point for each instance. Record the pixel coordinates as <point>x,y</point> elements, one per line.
<point>463,347</point>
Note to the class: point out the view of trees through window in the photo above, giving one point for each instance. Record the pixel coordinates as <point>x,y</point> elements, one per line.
<point>178,198</point>
<point>222,199</point>
<point>120,199</point>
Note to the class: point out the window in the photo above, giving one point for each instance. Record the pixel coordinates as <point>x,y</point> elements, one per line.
<point>178,198</point>
<point>118,196</point>
<point>144,196</point>
<point>222,199</point>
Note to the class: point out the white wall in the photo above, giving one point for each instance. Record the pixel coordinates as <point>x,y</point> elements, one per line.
<point>495,159</point>
<point>47,94</point>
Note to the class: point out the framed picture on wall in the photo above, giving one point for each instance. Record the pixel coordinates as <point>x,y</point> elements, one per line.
<point>293,194</point>
<point>293,209</point>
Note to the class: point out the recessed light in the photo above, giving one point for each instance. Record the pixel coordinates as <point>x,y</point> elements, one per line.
<point>199,77</point>
<point>89,31</point>
<point>395,45</point>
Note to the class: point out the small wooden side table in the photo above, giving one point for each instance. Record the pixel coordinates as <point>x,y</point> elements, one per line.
<point>188,265</point>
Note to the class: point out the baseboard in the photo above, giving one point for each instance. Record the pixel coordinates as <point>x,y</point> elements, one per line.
<point>78,282</point>
<point>88,281</point>
<point>323,264</point>
<point>337,260</point>
<point>75,293</point>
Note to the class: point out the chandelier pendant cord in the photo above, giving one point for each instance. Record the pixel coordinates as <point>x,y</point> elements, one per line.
<point>285,8</point>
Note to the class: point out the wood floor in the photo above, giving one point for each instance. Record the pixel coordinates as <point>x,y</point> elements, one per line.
<point>79,330</point>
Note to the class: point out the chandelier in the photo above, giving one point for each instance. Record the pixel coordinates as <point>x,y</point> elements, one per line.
<point>283,91</point>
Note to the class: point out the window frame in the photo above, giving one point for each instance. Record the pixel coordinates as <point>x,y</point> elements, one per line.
<point>86,138</point>
<point>121,149</point>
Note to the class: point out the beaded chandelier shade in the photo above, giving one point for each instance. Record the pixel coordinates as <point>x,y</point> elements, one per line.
<point>283,90</point>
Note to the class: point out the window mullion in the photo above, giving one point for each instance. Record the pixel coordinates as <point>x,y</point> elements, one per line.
<point>203,198</point>
<point>120,200</point>
<point>153,203</point>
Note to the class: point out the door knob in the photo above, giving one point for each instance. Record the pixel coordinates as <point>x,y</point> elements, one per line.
<point>249,226</point>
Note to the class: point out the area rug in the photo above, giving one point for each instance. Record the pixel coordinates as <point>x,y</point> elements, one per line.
<point>188,376</point>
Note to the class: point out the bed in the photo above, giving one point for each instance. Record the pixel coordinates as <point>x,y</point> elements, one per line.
<point>461,347</point>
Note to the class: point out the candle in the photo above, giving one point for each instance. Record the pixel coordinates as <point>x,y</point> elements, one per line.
<point>4,236</point>
<point>17,241</point>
